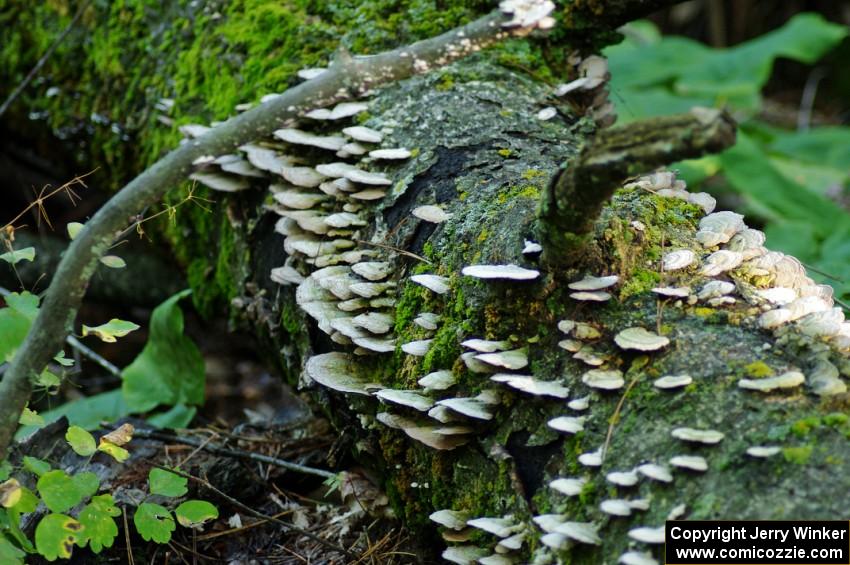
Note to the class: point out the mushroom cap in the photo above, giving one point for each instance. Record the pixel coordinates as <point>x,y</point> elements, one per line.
<point>507,272</point>
<point>594,283</point>
<point>338,371</point>
<point>789,379</point>
<point>408,398</point>
<point>678,259</point>
<point>533,386</point>
<point>640,339</point>
<point>655,472</point>
<point>648,535</point>
<point>362,133</point>
<point>582,532</point>
<point>708,437</point>
<point>692,462</point>
<point>604,379</point>
<point>568,486</point>
<point>429,213</point>
<point>566,424</point>
<point>434,283</point>
<point>672,381</point>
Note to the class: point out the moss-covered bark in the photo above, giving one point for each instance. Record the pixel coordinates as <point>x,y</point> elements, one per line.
<point>480,151</point>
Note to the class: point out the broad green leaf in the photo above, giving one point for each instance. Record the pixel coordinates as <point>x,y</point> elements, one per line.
<point>170,369</point>
<point>10,493</point>
<point>86,483</point>
<point>10,520</point>
<point>98,522</point>
<point>9,554</point>
<point>59,491</point>
<point>777,198</point>
<point>80,441</point>
<point>36,466</point>
<point>17,255</point>
<point>5,470</point>
<point>113,261</point>
<point>15,321</point>
<point>115,451</point>
<point>193,513</point>
<point>166,483</point>
<point>154,522</point>
<point>821,146</point>
<point>176,417</point>
<point>111,330</point>
<point>74,229</point>
<point>30,418</point>
<point>738,73</point>
<point>56,535</point>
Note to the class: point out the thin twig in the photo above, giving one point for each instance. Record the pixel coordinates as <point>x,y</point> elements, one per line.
<point>257,514</point>
<point>150,434</point>
<point>396,249</point>
<point>34,71</point>
<point>82,348</point>
<point>616,416</point>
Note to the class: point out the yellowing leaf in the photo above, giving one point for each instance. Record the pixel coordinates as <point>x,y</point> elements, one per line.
<point>111,443</point>
<point>113,261</point>
<point>110,331</point>
<point>119,436</point>
<point>10,493</point>
<point>74,229</point>
<point>56,535</point>
<point>16,255</point>
<point>118,453</point>
<point>30,418</point>
<point>194,513</point>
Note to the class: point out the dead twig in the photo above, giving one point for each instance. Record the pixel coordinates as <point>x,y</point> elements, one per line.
<point>257,514</point>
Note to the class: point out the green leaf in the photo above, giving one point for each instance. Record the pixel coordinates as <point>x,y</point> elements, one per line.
<point>30,418</point>
<point>821,146</point>
<point>59,491</point>
<point>48,380</point>
<point>193,513</point>
<point>5,470</point>
<point>74,229</point>
<point>773,195</point>
<point>97,518</point>
<point>111,330</point>
<point>80,441</point>
<point>62,360</point>
<point>86,483</point>
<point>166,483</point>
<point>170,369</point>
<point>154,522</point>
<point>56,535</point>
<point>36,466</point>
<point>177,417</point>
<point>9,553</point>
<point>15,322</point>
<point>17,255</point>
<point>113,261</point>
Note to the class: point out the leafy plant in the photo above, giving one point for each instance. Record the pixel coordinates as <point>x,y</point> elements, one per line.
<point>784,176</point>
<point>78,516</point>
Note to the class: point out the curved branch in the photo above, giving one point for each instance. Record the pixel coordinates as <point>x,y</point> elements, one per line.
<point>576,195</point>
<point>346,77</point>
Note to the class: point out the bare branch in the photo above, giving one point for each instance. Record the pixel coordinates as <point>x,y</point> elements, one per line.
<point>577,194</point>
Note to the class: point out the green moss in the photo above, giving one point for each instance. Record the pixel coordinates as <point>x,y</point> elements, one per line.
<point>798,455</point>
<point>758,369</point>
<point>504,152</point>
<point>639,282</point>
<point>803,427</point>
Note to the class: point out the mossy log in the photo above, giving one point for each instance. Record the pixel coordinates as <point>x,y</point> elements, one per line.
<point>480,152</point>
